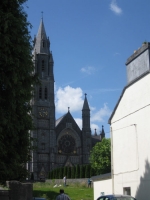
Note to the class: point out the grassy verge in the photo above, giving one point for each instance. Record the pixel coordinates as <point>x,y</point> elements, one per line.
<point>74,191</point>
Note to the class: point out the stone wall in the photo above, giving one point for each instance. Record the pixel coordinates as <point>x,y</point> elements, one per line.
<point>20,191</point>
<point>4,194</point>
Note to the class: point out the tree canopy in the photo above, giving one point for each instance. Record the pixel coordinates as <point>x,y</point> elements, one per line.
<point>100,157</point>
<point>16,89</point>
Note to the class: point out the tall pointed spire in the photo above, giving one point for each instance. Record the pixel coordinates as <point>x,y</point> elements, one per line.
<point>85,105</point>
<point>86,114</point>
<point>41,41</point>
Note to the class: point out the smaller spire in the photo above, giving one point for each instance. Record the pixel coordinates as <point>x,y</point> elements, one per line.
<point>95,132</point>
<point>102,134</point>
<point>68,109</point>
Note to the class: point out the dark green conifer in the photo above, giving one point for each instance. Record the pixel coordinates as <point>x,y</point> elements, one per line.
<point>16,89</point>
<point>68,172</point>
<point>72,172</point>
<point>87,171</point>
<point>81,171</point>
<point>77,173</point>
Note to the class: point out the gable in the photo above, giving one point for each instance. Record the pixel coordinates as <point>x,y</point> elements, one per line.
<point>67,121</point>
<point>134,97</point>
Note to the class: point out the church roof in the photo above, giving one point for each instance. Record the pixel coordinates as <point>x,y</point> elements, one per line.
<point>67,118</point>
<point>59,120</point>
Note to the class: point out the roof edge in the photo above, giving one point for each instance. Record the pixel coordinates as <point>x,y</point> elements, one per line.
<point>131,83</point>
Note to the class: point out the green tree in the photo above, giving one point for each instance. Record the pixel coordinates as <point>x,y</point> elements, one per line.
<point>100,157</point>
<point>65,171</point>
<point>92,172</point>
<point>77,173</point>
<point>72,172</point>
<point>61,173</point>
<point>16,89</point>
<point>68,172</point>
<point>81,171</point>
<point>87,171</point>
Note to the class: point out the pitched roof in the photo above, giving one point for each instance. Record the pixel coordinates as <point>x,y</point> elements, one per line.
<point>123,91</point>
<point>59,120</point>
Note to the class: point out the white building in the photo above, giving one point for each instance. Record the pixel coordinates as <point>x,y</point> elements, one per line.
<point>130,131</point>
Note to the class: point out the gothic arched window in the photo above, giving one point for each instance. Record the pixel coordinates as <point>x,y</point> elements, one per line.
<point>42,65</point>
<point>40,93</point>
<point>45,92</point>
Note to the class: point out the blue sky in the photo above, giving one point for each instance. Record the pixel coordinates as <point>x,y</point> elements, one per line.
<point>91,41</point>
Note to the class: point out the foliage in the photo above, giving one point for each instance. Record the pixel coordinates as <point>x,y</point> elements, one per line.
<point>87,171</point>
<point>77,172</point>
<point>65,171</point>
<point>68,172</point>
<point>92,172</point>
<point>100,157</point>
<point>72,172</point>
<point>61,173</point>
<point>16,89</point>
<point>81,171</point>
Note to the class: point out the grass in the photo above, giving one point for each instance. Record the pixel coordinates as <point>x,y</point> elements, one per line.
<point>74,191</point>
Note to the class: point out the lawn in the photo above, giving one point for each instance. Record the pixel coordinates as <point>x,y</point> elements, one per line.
<point>75,191</point>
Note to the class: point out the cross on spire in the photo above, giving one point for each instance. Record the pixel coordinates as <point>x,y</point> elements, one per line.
<point>42,14</point>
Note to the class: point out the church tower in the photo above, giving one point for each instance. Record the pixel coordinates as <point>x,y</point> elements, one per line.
<point>86,131</point>
<point>60,142</point>
<point>43,106</point>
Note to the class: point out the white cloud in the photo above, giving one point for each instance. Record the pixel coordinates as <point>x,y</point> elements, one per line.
<point>69,97</point>
<point>115,8</point>
<point>99,116</point>
<point>79,122</point>
<point>88,70</point>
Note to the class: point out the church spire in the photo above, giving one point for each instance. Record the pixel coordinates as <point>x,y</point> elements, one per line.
<point>86,114</point>
<point>42,43</point>
<point>85,105</point>
<point>102,134</point>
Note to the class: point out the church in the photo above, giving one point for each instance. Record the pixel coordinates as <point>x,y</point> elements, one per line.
<point>58,142</point>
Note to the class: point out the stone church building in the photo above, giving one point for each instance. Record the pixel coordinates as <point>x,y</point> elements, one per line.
<point>58,142</point>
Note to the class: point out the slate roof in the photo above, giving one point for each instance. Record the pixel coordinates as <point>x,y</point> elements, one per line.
<point>60,119</point>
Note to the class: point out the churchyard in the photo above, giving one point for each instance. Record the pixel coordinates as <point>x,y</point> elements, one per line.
<point>76,191</point>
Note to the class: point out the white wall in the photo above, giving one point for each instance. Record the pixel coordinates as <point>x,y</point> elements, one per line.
<point>102,186</point>
<point>131,140</point>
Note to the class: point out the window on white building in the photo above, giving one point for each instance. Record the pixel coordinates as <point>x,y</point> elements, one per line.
<point>127,190</point>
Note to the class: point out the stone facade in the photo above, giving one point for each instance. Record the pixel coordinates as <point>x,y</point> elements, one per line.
<point>58,142</point>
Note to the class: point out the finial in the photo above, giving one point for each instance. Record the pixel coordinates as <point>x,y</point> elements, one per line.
<point>42,15</point>
<point>68,109</point>
<point>85,94</point>
<point>102,126</point>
